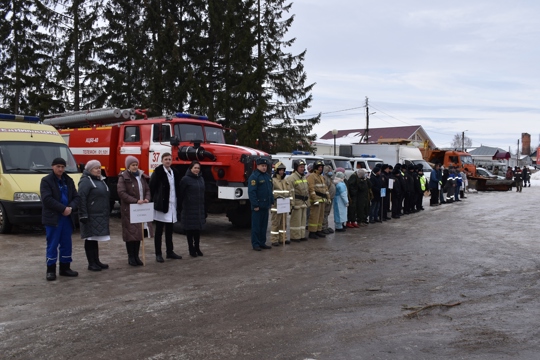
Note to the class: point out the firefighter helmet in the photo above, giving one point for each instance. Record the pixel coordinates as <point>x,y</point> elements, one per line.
<point>318,163</point>
<point>297,163</point>
<point>279,165</point>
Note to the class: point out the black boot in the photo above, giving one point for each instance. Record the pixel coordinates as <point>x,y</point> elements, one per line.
<point>89,249</point>
<point>96,257</point>
<point>157,246</point>
<point>66,271</point>
<point>196,247</point>
<point>136,253</point>
<point>130,251</point>
<point>51,272</point>
<point>191,247</point>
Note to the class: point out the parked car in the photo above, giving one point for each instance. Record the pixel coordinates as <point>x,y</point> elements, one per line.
<point>486,173</point>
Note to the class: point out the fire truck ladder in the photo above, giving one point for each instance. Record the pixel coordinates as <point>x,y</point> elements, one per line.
<point>89,117</point>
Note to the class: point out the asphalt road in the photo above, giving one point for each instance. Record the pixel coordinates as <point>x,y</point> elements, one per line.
<point>343,297</point>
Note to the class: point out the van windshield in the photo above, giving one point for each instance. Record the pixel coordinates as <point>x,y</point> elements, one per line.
<point>373,163</point>
<point>346,164</point>
<point>29,158</point>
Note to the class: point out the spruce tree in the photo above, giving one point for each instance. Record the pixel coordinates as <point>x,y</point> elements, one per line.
<point>122,48</point>
<point>282,91</point>
<point>174,28</point>
<point>79,64</point>
<point>228,66</point>
<point>26,57</point>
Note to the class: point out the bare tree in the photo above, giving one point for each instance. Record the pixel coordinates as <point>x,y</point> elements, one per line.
<point>459,141</point>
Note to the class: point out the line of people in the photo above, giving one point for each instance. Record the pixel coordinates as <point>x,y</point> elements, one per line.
<point>521,177</point>
<point>447,185</point>
<point>170,194</point>
<point>388,192</point>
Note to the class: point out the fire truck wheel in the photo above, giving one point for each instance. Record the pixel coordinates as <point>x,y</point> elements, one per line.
<point>5,225</point>
<point>240,216</point>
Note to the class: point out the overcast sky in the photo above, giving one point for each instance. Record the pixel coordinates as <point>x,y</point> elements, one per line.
<point>448,66</point>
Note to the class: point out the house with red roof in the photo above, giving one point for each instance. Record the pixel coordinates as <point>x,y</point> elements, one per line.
<point>414,134</point>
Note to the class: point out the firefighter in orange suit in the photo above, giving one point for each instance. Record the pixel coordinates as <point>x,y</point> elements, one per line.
<point>318,196</point>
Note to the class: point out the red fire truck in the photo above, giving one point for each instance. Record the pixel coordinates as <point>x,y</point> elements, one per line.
<point>110,135</point>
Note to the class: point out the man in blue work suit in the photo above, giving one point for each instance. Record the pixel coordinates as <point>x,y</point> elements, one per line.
<point>260,192</point>
<point>59,199</point>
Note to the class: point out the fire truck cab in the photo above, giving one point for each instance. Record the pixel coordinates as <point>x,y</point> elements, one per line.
<point>225,168</point>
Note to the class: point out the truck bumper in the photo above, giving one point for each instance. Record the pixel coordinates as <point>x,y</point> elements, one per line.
<point>233,192</point>
<point>23,212</point>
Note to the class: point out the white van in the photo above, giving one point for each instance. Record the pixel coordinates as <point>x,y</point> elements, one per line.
<point>288,158</point>
<point>365,162</point>
<point>26,153</point>
<point>339,162</point>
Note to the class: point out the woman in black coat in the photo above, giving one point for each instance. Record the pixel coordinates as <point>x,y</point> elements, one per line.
<point>193,216</point>
<point>94,213</point>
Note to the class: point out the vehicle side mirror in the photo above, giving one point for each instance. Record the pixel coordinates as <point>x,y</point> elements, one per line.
<point>175,141</point>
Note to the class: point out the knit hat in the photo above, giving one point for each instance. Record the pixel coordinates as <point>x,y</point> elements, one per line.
<point>58,161</point>
<point>130,160</point>
<point>92,164</point>
<point>340,175</point>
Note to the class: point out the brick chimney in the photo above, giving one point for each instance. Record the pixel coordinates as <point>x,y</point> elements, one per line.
<point>525,144</point>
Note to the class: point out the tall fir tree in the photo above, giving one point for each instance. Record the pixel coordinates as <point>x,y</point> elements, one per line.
<point>282,91</point>
<point>123,50</point>
<point>173,27</point>
<point>227,64</point>
<point>26,57</point>
<point>79,62</point>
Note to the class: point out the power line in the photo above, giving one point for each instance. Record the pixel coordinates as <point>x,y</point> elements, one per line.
<point>393,117</point>
<point>337,111</point>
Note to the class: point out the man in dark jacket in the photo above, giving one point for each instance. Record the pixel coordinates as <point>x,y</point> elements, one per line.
<point>526,176</point>
<point>397,193</point>
<point>376,186</point>
<point>59,198</point>
<point>385,177</point>
<point>434,185</point>
<point>164,189</point>
<point>260,192</point>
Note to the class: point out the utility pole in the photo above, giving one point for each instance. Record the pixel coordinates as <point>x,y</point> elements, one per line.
<point>366,133</point>
<point>365,136</point>
<point>462,141</point>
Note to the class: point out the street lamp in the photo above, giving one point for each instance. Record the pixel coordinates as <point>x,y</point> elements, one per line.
<point>334,132</point>
<point>463,141</point>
